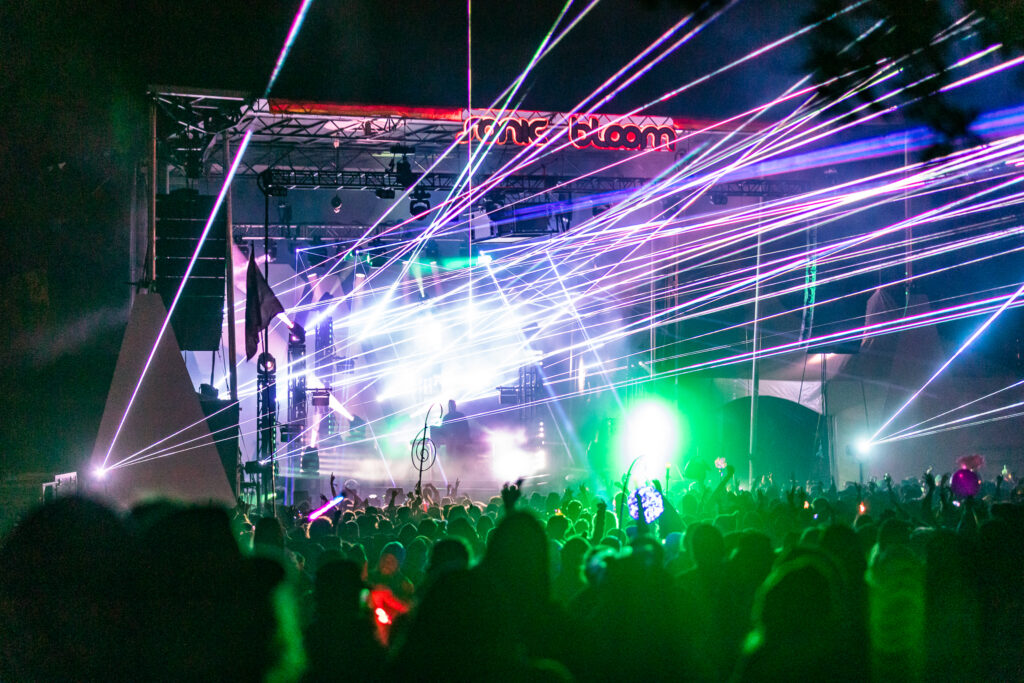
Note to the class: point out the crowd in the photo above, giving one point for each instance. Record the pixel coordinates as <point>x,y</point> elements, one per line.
<point>890,581</point>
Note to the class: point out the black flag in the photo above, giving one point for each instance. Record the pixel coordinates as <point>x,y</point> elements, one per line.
<point>260,306</point>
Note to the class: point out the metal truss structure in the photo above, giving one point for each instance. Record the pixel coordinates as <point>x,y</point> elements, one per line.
<point>516,184</point>
<point>308,149</point>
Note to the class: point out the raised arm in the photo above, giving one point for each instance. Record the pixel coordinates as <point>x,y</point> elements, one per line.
<point>510,493</point>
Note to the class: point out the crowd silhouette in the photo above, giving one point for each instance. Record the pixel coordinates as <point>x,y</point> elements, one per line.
<point>889,581</point>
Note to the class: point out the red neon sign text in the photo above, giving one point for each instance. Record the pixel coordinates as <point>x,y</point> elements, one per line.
<point>508,130</point>
<point>584,131</point>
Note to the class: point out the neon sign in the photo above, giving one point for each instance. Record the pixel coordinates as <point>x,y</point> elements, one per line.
<point>584,131</point>
<point>507,130</point>
<point>522,128</point>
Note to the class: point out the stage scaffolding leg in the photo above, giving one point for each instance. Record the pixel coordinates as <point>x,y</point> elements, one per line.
<point>151,253</point>
<point>229,292</point>
<point>755,370</point>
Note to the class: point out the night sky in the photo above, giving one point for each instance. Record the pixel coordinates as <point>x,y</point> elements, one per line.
<point>73,77</point>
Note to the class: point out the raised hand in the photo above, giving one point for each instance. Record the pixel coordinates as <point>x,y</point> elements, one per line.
<point>510,493</point>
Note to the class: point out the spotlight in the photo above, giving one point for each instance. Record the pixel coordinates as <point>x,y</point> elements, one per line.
<point>272,252</point>
<point>653,430</point>
<point>385,193</point>
<point>265,363</point>
<point>863,446</point>
<point>100,472</point>
<point>336,203</point>
<point>297,334</point>
<point>420,202</point>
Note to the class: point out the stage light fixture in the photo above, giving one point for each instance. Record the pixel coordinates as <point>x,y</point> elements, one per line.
<point>385,193</point>
<point>653,431</point>
<point>419,202</point>
<point>718,198</point>
<point>863,446</point>
<point>265,363</point>
<point>336,203</point>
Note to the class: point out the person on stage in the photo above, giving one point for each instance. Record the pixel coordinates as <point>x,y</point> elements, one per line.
<point>458,438</point>
<point>456,423</point>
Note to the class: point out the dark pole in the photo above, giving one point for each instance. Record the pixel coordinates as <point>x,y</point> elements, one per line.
<point>266,350</point>
<point>266,259</point>
<point>229,293</point>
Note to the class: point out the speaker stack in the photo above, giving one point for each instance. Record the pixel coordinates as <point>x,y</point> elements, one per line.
<point>180,219</point>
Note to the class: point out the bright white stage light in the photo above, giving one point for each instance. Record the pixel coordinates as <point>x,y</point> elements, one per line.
<point>511,457</point>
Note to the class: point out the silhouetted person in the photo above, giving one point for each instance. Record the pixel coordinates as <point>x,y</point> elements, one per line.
<point>340,641</point>
<point>798,629</point>
<point>67,596</point>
